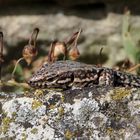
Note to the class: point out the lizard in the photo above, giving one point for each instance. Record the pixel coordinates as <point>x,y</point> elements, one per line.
<point>71,74</point>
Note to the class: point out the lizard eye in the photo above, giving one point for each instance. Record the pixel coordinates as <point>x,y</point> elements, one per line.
<point>46,65</point>
<point>31,83</point>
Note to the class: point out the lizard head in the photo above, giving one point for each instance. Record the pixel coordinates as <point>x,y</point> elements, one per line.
<point>45,77</point>
<point>55,75</point>
<point>63,75</point>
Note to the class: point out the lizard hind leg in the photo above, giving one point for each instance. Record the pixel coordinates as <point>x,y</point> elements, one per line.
<point>106,77</point>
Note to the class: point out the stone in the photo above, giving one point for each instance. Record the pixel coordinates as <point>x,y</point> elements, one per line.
<point>89,113</point>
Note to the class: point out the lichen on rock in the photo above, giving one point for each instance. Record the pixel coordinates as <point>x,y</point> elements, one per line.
<point>89,113</point>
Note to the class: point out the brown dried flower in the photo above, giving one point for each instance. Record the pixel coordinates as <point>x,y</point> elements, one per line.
<point>56,49</point>
<point>66,48</point>
<point>73,52</point>
<point>30,50</point>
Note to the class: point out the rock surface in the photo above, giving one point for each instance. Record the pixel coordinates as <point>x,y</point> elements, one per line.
<point>96,113</point>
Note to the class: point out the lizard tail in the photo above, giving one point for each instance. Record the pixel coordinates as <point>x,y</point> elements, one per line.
<point>127,80</point>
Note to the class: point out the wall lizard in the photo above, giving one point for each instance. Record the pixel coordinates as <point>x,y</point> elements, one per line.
<point>71,74</point>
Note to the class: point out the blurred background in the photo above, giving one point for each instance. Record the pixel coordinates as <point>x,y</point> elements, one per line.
<point>108,24</point>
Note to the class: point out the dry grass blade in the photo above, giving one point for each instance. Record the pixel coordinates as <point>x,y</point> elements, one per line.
<point>133,68</point>
<point>1,52</point>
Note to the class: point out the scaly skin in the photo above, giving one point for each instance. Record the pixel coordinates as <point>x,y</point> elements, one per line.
<point>72,74</point>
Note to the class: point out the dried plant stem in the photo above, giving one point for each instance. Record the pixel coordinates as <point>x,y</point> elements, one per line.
<point>77,37</point>
<point>1,52</point>
<point>100,56</point>
<point>14,83</point>
<point>34,37</point>
<point>133,68</point>
<point>16,66</point>
<point>51,52</point>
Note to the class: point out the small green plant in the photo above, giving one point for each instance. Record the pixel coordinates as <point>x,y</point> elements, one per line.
<point>129,43</point>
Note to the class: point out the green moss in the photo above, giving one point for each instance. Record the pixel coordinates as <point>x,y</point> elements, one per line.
<point>36,104</point>
<point>61,111</point>
<point>24,136</point>
<point>34,131</point>
<point>68,135</point>
<point>14,114</point>
<point>39,93</point>
<point>5,124</point>
<point>137,106</point>
<point>109,131</point>
<point>120,93</point>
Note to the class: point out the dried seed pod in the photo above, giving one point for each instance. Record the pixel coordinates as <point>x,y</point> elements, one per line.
<point>73,52</point>
<point>56,49</point>
<point>30,50</point>
<point>67,48</point>
<point>60,48</point>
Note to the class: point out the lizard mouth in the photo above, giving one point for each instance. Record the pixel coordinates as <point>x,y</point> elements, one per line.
<point>35,84</point>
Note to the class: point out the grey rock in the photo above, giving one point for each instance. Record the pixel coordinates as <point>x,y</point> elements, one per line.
<point>89,113</point>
